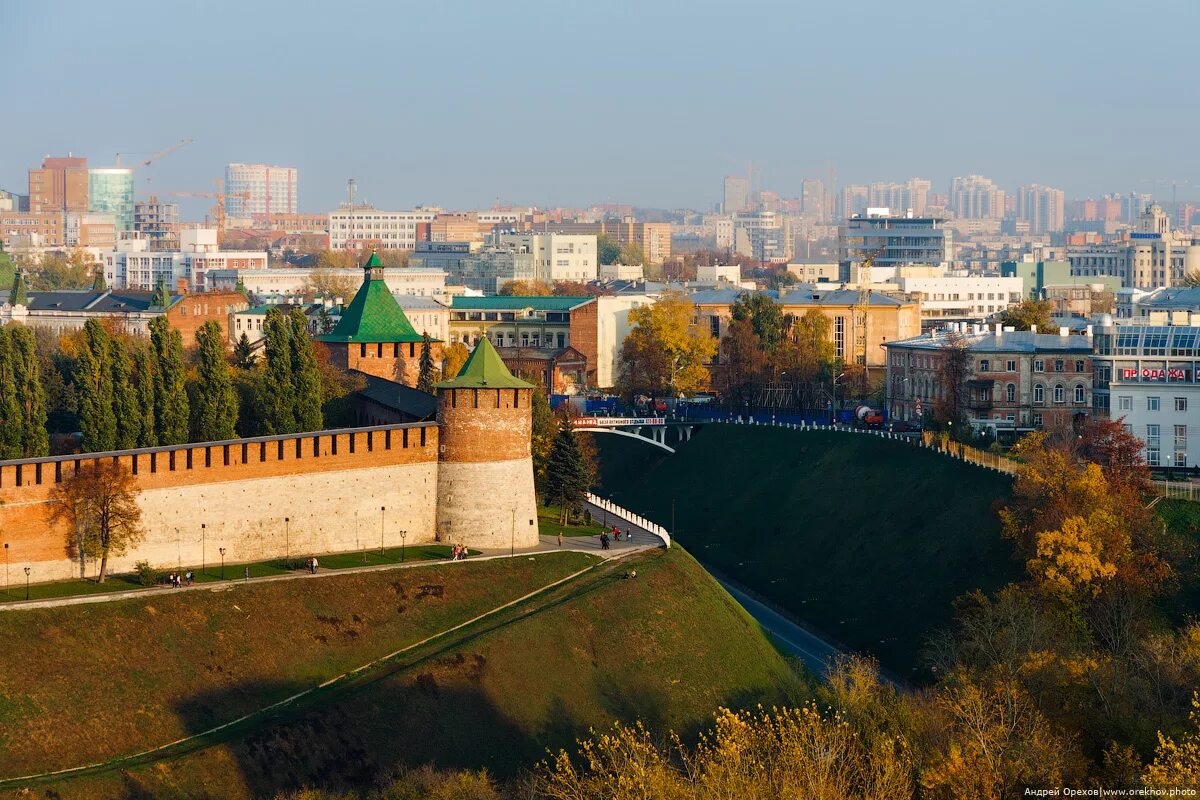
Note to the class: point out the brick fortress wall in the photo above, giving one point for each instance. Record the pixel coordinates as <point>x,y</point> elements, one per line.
<point>393,361</point>
<point>331,485</point>
<point>485,475</point>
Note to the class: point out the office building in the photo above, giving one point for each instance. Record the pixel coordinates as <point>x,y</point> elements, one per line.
<point>557,256</point>
<point>895,240</point>
<point>1146,377</point>
<point>363,227</point>
<point>158,223</point>
<point>110,191</point>
<point>737,194</point>
<point>1153,256</point>
<point>89,230</point>
<point>60,184</point>
<point>1042,208</point>
<point>852,201</point>
<point>966,297</point>
<point>133,265</point>
<point>411,281</point>
<point>764,236</point>
<point>33,229</point>
<point>259,190</point>
<point>652,238</point>
<point>1016,380</point>
<point>11,201</point>
<point>976,197</point>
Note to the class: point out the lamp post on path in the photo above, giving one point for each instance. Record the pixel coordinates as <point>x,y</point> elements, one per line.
<point>27,583</point>
<point>222,549</point>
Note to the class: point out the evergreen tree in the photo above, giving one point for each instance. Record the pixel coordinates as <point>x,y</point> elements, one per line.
<point>545,428</point>
<point>170,386</point>
<point>18,295</point>
<point>31,394</point>
<point>98,284</point>
<point>425,377</point>
<point>306,379</point>
<point>275,400</point>
<point>215,412</point>
<point>126,413</point>
<point>243,353</point>
<point>95,389</point>
<point>143,365</point>
<point>566,475</point>
<point>12,430</point>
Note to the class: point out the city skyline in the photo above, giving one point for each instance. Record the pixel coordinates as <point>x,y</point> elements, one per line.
<point>406,100</point>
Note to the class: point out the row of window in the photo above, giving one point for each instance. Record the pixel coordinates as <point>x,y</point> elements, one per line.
<point>1154,446</point>
<point>510,340</point>
<point>1125,403</point>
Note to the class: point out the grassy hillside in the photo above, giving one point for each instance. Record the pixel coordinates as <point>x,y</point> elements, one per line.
<point>867,539</point>
<point>667,647</point>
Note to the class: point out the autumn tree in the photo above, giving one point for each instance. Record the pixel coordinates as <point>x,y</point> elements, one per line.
<point>741,363</point>
<point>764,315</point>
<point>332,283</point>
<point>425,375</point>
<point>526,288</point>
<point>171,413</point>
<point>807,352</point>
<point>453,359</point>
<point>1027,314</point>
<point>953,370</point>
<point>632,253</point>
<point>100,500</point>
<point>58,271</point>
<point>1177,761</point>
<point>214,403</point>
<point>665,353</point>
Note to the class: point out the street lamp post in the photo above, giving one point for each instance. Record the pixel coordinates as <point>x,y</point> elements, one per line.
<point>203,549</point>
<point>512,542</point>
<point>27,583</point>
<point>287,541</point>
<point>403,536</point>
<point>222,549</point>
<point>6,593</point>
<point>382,510</point>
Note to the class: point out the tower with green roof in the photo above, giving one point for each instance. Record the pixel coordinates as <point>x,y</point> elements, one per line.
<point>374,335</point>
<point>485,469</point>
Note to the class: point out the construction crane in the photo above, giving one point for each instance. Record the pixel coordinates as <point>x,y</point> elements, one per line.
<point>862,309</point>
<point>156,156</point>
<point>219,209</point>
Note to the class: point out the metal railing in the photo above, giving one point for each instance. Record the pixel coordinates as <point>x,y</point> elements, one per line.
<point>625,514</point>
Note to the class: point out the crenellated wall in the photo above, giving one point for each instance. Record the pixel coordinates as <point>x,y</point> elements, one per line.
<point>258,498</point>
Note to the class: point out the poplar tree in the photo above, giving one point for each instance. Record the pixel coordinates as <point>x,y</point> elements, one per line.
<point>95,389</point>
<point>127,414</point>
<point>275,401</point>
<point>215,412</point>
<point>170,387</point>
<point>31,393</point>
<point>243,353</point>
<point>566,474</point>
<point>11,424</point>
<point>143,365</point>
<point>425,377</point>
<point>306,380</point>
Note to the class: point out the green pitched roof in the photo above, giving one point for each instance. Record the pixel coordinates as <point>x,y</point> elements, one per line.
<point>373,316</point>
<point>484,370</point>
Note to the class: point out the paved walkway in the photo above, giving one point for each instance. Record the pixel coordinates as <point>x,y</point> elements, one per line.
<point>815,652</point>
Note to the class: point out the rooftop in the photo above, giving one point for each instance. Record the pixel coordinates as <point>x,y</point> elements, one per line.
<point>373,315</point>
<point>1006,342</point>
<point>484,370</point>
<point>106,301</point>
<point>405,399</point>
<point>506,303</point>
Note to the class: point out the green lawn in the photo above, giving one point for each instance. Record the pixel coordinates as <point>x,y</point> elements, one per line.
<point>867,539</point>
<point>548,524</point>
<point>212,572</point>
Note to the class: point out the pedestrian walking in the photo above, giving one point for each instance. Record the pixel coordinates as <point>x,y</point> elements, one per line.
<point>604,541</point>
<point>190,578</point>
<point>629,535</point>
<point>560,538</point>
<point>312,565</point>
<point>246,572</point>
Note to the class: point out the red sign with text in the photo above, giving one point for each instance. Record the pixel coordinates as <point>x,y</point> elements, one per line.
<point>1148,374</point>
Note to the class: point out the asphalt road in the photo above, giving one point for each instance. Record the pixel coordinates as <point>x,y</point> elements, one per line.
<point>809,648</point>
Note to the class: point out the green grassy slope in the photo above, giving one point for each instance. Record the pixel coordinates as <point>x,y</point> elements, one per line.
<point>867,539</point>
<point>667,647</point>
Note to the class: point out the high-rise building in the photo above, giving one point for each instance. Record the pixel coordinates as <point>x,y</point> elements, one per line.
<point>1042,207</point>
<point>270,190</point>
<point>737,194</point>
<point>852,200</point>
<point>812,199</point>
<point>976,197</point>
<point>110,191</point>
<point>157,222</point>
<point>61,184</point>
<point>896,241</point>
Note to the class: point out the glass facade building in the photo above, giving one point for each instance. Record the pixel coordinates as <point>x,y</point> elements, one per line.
<point>110,191</point>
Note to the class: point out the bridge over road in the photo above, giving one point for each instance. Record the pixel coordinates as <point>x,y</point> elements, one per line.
<point>652,430</point>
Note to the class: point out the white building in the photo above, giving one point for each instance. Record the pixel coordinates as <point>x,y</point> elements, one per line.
<point>612,326</point>
<point>557,256</point>
<point>259,190</point>
<point>134,266</point>
<point>622,272</point>
<point>288,281</point>
<point>716,273</point>
<point>962,297</point>
<point>363,227</point>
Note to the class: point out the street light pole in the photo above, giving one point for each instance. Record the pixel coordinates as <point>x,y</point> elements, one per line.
<point>6,593</point>
<point>287,541</point>
<point>403,536</point>
<point>222,563</point>
<point>382,509</point>
<point>203,550</point>
<point>512,542</point>
<point>27,583</point>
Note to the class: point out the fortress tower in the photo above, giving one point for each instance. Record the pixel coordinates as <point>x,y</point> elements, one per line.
<point>485,495</point>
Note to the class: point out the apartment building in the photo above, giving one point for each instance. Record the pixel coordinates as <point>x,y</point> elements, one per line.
<point>364,227</point>
<point>965,297</point>
<point>557,256</point>
<point>654,238</point>
<point>133,265</point>
<point>1016,380</point>
<point>976,197</point>
<point>32,229</point>
<point>896,241</point>
<point>292,281</point>
<point>60,184</point>
<point>260,190</point>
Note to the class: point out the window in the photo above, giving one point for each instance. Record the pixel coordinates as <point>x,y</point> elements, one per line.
<point>1058,365</point>
<point>1079,366</point>
<point>1037,420</point>
<point>1079,395</point>
<point>1180,459</point>
<point>1060,394</point>
<point>1152,404</point>
<point>1125,403</point>
<point>1181,404</point>
<point>984,365</point>
<point>1152,446</point>
<point>1011,366</point>
<point>1039,365</point>
<point>1010,393</point>
<point>1039,394</point>
<point>839,336</point>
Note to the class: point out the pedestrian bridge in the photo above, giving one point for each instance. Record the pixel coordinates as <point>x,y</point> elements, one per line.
<point>652,430</point>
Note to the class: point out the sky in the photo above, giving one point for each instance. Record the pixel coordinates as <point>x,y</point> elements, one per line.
<point>570,103</point>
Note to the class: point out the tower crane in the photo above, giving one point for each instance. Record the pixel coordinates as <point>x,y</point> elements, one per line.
<point>156,156</point>
<point>219,209</point>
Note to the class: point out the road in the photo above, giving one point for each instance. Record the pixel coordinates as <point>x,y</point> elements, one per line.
<point>809,648</point>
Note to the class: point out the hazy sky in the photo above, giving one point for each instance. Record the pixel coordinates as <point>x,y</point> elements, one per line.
<point>572,103</point>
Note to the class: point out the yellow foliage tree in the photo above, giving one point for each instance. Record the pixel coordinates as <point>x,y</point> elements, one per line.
<point>1070,561</point>
<point>1177,763</point>
<point>452,361</point>
<point>666,353</point>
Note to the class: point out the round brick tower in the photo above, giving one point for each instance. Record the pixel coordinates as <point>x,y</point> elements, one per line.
<point>485,472</point>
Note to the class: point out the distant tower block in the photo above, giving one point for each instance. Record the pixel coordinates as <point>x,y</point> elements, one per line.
<point>485,471</point>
